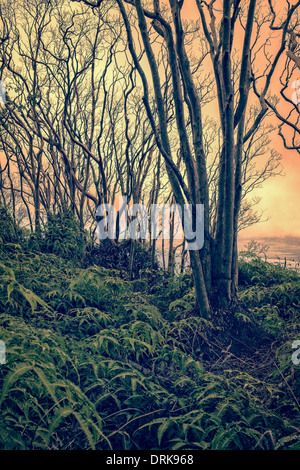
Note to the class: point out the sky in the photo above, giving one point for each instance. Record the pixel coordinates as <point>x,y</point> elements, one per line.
<point>280,195</point>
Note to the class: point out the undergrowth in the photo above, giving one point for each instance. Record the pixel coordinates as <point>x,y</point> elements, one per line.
<point>94,361</point>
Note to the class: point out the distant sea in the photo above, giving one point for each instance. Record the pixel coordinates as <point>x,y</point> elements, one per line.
<point>281,249</point>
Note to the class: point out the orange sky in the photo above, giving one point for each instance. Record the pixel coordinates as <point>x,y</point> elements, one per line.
<point>280,200</point>
<point>280,196</point>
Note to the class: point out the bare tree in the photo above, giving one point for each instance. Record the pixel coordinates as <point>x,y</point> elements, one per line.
<point>215,266</point>
<point>71,132</point>
<point>99,97</point>
<point>281,74</point>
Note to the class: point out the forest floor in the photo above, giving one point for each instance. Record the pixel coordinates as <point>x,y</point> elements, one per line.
<point>95,361</point>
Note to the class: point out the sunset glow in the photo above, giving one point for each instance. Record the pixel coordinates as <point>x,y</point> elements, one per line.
<point>280,195</point>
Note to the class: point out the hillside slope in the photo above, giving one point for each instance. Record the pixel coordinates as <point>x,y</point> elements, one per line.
<point>94,361</point>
